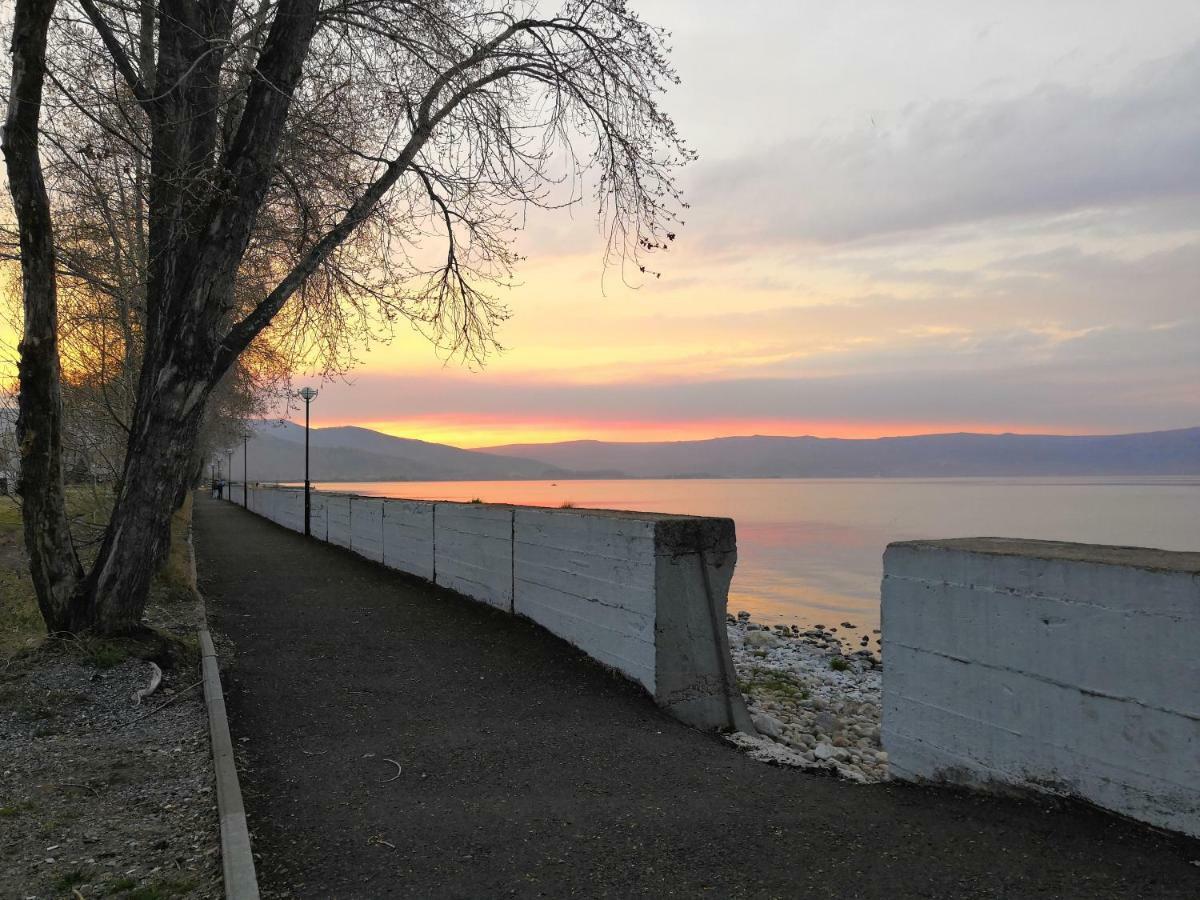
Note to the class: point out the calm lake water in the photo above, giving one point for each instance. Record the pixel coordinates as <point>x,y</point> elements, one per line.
<point>809,551</point>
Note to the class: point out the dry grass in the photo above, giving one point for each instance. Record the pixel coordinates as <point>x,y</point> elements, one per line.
<point>21,626</point>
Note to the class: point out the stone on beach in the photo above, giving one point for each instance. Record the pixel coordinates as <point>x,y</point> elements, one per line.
<point>809,714</point>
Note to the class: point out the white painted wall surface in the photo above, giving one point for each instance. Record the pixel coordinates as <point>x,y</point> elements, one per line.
<point>473,551</point>
<point>338,515</point>
<point>643,593</point>
<point>1056,667</point>
<point>318,515</point>
<point>589,578</point>
<point>366,527</point>
<point>408,537</point>
<point>291,510</point>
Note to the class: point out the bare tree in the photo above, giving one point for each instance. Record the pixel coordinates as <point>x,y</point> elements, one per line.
<point>291,162</point>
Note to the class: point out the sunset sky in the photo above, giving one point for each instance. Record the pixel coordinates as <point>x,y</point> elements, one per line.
<point>907,217</point>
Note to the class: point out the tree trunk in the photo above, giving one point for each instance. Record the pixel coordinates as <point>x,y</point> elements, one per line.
<point>158,467</point>
<point>54,566</point>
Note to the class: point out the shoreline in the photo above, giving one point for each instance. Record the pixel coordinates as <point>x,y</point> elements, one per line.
<point>814,699</point>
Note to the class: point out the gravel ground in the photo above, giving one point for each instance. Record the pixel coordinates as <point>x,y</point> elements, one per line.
<point>101,796</point>
<point>94,800</point>
<point>813,695</point>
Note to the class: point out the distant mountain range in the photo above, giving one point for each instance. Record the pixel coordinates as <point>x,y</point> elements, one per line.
<point>934,455</point>
<point>360,454</point>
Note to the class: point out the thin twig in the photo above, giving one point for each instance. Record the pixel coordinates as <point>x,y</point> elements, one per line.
<point>161,705</point>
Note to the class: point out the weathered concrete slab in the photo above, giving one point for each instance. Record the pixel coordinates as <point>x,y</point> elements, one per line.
<point>366,527</point>
<point>473,551</point>
<point>338,516</point>
<point>290,506</point>
<point>319,515</point>
<point>1064,668</point>
<point>408,537</point>
<point>640,592</point>
<point>589,578</point>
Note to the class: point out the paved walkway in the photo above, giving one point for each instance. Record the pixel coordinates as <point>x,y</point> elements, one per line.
<point>529,771</point>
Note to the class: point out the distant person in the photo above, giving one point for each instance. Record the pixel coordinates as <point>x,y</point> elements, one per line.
<point>220,488</point>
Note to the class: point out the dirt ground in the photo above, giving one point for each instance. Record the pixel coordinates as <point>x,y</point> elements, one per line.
<point>101,796</point>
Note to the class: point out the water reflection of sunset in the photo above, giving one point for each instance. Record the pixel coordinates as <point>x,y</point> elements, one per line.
<point>810,551</point>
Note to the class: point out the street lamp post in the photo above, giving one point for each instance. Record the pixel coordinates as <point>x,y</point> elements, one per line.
<point>245,471</point>
<point>308,395</point>
<point>229,459</point>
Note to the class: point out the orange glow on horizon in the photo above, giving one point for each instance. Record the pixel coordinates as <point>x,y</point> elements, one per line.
<point>477,432</point>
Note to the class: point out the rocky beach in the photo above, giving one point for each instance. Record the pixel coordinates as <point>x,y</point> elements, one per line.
<point>813,695</point>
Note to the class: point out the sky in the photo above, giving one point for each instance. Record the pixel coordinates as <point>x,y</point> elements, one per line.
<point>906,218</point>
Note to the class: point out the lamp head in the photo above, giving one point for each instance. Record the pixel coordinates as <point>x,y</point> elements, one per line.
<point>308,394</point>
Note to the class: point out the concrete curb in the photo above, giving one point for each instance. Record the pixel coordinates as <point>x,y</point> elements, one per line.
<point>237,860</point>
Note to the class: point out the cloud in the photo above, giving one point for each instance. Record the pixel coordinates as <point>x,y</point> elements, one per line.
<point>1107,379</point>
<point>1055,150</point>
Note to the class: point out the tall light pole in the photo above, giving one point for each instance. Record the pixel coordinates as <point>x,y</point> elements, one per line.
<point>229,478</point>
<point>245,471</point>
<point>308,394</point>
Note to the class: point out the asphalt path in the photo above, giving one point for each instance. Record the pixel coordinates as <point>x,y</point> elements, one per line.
<point>399,740</point>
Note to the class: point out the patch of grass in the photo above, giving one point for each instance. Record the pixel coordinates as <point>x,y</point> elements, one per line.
<point>68,880</point>
<point>46,829</point>
<point>838,664</point>
<point>123,884</point>
<point>21,626</point>
<point>16,809</point>
<point>20,621</point>
<point>762,680</point>
<point>566,504</point>
<point>104,654</point>
<point>22,631</point>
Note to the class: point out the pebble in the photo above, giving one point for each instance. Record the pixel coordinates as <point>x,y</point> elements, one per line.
<point>807,713</point>
<point>768,725</point>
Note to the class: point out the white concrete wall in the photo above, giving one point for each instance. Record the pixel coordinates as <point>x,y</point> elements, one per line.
<point>290,505</point>
<point>338,516</point>
<point>366,527</point>
<point>1064,668</point>
<point>318,515</point>
<point>589,578</point>
<point>473,551</point>
<point>640,592</point>
<point>408,537</point>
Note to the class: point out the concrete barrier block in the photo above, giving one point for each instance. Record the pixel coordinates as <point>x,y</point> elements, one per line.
<point>318,515</point>
<point>366,527</point>
<point>1064,668</point>
<point>589,577</point>
<point>473,551</point>
<point>408,537</point>
<point>291,510</point>
<point>694,675</point>
<point>270,507</point>
<point>338,515</point>
<point>640,592</point>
